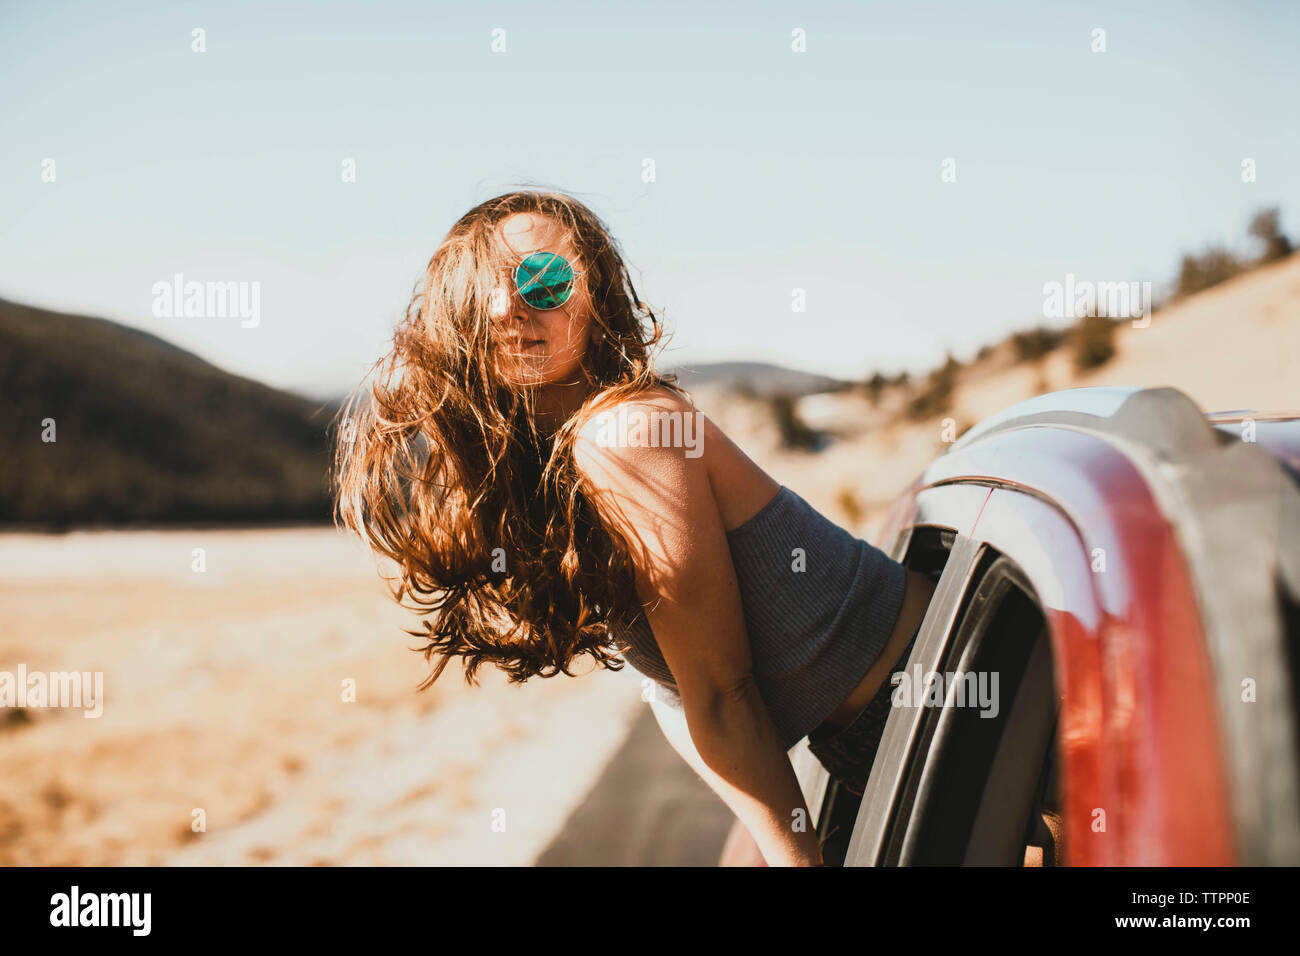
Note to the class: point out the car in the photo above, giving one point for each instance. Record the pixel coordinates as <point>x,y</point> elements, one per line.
<point>1127,568</point>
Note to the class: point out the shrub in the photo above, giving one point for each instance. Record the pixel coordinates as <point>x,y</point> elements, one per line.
<point>793,431</point>
<point>936,397</point>
<point>1265,228</point>
<point>1093,341</point>
<point>874,386</point>
<point>1214,265</point>
<point>1034,343</point>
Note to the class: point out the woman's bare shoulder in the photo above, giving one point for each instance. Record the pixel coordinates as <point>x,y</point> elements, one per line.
<point>657,434</point>
<point>655,431</point>
<point>658,398</point>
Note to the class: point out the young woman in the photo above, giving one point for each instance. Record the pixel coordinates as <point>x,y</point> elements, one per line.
<point>549,497</point>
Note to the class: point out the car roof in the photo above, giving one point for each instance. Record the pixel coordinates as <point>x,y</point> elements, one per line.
<point>1276,432</point>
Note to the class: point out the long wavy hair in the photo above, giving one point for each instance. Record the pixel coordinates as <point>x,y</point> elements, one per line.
<point>441,466</point>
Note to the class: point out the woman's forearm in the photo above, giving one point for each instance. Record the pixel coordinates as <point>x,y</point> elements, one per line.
<point>740,746</point>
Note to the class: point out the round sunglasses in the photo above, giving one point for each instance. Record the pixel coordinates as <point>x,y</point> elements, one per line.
<point>545,280</point>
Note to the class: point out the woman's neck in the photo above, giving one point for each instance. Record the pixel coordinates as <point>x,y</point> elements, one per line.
<point>556,403</point>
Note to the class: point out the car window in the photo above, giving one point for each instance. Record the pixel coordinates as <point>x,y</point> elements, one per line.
<point>975,790</point>
<point>971,781</point>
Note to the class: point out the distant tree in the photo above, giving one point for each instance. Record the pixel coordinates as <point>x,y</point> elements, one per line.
<point>875,386</point>
<point>793,431</point>
<point>1093,340</point>
<point>1214,265</point>
<point>1265,228</point>
<point>1031,344</point>
<point>936,396</point>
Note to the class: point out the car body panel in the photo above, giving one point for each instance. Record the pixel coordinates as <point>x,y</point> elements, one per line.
<point>1278,433</point>
<point>1137,606</point>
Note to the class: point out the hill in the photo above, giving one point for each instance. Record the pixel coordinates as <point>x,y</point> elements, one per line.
<point>146,432</point>
<point>1235,345</point>
<point>753,378</point>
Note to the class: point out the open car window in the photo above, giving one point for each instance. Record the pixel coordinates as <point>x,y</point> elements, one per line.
<point>975,794</point>
<point>969,777</point>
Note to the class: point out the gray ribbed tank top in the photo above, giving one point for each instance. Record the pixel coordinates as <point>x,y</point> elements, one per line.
<point>813,632</point>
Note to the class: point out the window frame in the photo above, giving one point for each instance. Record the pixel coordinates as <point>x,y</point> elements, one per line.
<point>1001,806</point>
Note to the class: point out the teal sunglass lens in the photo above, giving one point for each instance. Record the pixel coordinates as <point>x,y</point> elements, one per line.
<point>545,280</point>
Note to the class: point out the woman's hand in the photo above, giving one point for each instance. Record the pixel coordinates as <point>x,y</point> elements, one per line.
<point>662,502</point>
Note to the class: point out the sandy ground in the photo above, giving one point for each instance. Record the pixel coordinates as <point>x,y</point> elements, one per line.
<point>223,692</point>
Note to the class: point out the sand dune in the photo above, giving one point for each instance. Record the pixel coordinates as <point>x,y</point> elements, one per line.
<point>223,692</point>
<point>1234,346</point>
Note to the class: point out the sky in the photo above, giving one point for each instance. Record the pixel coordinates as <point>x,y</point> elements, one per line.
<point>919,170</point>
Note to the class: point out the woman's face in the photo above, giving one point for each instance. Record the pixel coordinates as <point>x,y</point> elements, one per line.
<point>538,346</point>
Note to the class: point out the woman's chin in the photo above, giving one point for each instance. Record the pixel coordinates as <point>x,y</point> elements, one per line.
<point>533,370</point>
<point>529,375</point>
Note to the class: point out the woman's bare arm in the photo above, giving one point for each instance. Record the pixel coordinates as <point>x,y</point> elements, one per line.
<point>662,502</point>
<point>740,848</point>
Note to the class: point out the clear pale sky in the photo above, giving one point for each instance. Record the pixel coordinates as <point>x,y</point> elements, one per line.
<point>775,170</point>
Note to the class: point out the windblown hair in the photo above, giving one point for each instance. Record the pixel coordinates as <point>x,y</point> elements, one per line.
<point>441,467</point>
